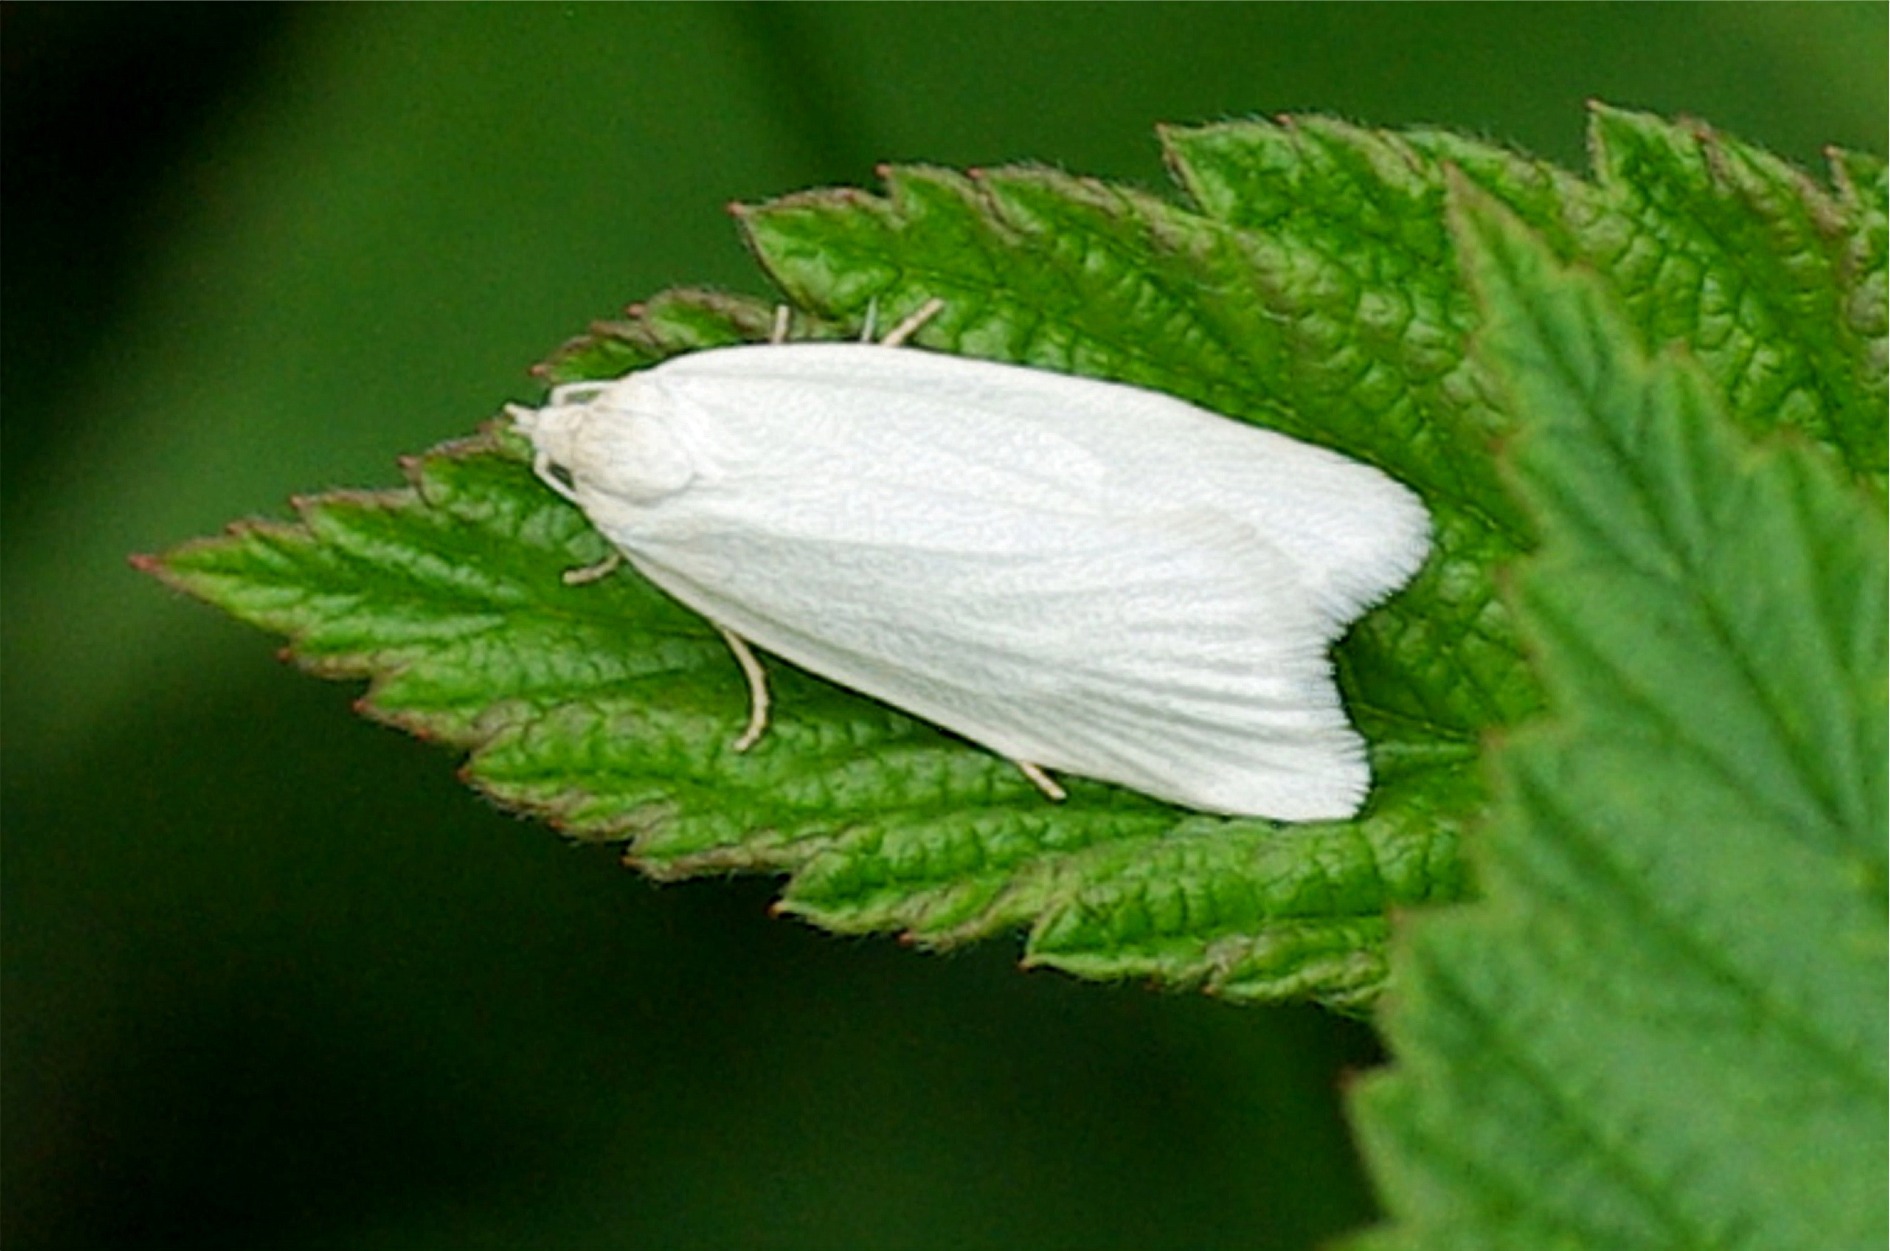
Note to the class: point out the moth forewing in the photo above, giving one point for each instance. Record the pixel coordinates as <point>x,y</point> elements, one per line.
<point>1077,574</point>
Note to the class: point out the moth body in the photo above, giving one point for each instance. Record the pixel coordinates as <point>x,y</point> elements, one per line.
<point>1080,575</point>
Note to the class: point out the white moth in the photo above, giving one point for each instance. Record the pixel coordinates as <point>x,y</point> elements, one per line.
<point>1079,575</point>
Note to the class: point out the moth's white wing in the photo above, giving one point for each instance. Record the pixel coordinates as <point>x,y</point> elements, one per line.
<point>1175,653</point>
<point>1085,576</point>
<point>1353,533</point>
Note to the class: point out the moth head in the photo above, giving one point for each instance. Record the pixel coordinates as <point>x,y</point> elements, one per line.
<point>596,439</point>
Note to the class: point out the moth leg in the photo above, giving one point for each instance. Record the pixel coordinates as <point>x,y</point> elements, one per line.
<point>583,575</point>
<point>915,319</point>
<point>757,689</point>
<point>1042,781</point>
<point>778,332</point>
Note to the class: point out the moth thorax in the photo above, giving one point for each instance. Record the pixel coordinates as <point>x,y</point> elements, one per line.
<point>634,456</point>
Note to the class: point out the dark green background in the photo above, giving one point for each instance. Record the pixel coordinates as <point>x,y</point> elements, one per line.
<point>272,977</point>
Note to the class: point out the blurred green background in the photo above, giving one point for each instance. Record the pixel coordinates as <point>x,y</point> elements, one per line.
<point>272,978</point>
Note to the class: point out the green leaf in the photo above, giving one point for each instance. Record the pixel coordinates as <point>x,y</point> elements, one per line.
<point>1310,287</point>
<point>1776,283</point>
<point>1664,1026</point>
